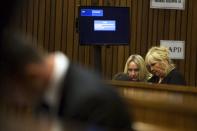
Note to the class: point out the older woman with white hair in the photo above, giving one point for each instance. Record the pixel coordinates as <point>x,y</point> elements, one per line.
<point>161,67</point>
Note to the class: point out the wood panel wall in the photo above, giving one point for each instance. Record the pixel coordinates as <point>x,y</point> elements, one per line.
<point>53,24</point>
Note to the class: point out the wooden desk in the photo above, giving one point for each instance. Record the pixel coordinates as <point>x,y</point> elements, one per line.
<point>169,106</point>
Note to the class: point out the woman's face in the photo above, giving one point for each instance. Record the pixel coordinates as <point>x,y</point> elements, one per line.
<point>133,71</point>
<point>157,68</point>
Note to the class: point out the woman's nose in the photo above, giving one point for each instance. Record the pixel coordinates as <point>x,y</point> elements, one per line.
<point>133,72</point>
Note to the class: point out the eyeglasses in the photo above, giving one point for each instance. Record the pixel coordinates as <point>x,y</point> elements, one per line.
<point>135,70</point>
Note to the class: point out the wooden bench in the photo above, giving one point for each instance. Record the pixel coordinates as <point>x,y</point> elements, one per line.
<point>166,106</point>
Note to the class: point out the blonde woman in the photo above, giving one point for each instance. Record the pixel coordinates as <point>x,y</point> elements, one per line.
<point>161,67</point>
<point>135,68</point>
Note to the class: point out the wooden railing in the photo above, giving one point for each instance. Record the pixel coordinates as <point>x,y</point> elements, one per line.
<point>165,106</point>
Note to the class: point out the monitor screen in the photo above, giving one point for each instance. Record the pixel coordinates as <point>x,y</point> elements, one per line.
<point>104,25</point>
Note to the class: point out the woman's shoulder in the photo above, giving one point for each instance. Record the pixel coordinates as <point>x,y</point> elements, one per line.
<point>175,72</point>
<point>176,77</point>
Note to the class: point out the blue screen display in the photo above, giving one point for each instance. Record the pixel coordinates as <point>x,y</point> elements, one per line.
<point>91,12</point>
<point>104,25</point>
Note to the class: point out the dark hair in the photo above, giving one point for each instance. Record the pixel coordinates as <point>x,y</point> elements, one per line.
<point>122,77</point>
<point>15,53</point>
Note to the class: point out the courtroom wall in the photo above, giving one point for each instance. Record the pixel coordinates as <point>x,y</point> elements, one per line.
<point>53,24</point>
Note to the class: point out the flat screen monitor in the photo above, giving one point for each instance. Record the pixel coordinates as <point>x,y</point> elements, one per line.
<point>104,25</point>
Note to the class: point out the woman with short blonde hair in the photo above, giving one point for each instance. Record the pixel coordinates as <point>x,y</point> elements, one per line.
<point>161,67</point>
